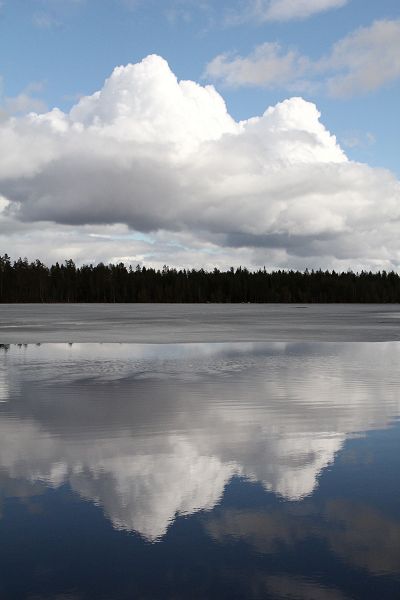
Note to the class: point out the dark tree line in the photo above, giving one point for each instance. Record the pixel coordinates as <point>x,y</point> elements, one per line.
<point>23,281</point>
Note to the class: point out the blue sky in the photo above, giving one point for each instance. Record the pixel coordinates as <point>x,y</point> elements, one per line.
<point>256,53</point>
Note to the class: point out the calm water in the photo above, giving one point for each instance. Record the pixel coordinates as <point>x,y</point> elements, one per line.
<point>223,470</point>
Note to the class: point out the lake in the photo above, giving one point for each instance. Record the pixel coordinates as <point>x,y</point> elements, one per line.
<point>221,468</point>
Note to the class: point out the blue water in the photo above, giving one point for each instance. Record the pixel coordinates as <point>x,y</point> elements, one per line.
<point>231,470</point>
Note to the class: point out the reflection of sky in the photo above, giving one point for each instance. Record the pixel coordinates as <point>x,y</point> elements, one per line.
<point>150,432</point>
<point>360,535</point>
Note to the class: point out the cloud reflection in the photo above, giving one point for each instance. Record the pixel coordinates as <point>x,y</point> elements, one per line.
<point>151,432</point>
<point>358,534</point>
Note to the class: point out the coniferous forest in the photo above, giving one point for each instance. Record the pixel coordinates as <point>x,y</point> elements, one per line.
<point>23,281</point>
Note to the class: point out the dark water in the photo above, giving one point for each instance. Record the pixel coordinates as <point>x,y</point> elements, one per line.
<point>237,470</point>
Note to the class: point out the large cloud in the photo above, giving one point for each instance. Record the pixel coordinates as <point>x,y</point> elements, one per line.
<point>161,155</point>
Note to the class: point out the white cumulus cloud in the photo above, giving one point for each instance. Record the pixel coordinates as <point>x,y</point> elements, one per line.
<point>155,154</point>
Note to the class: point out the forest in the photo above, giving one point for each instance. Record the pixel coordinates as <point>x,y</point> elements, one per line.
<point>23,281</point>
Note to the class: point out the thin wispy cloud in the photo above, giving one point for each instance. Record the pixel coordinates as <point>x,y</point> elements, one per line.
<point>190,11</point>
<point>365,60</point>
<point>28,100</point>
<point>45,21</point>
<point>354,139</point>
<point>261,11</point>
<point>50,14</point>
<point>269,65</point>
<point>361,62</point>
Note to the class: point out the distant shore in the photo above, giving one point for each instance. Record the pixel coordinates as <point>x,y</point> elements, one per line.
<point>33,282</point>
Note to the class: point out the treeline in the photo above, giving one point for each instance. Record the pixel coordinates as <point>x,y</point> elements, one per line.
<point>23,281</point>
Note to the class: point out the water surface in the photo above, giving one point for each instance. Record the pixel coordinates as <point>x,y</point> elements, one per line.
<point>223,470</point>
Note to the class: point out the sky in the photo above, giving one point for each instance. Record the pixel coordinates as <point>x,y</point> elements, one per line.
<point>201,133</point>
